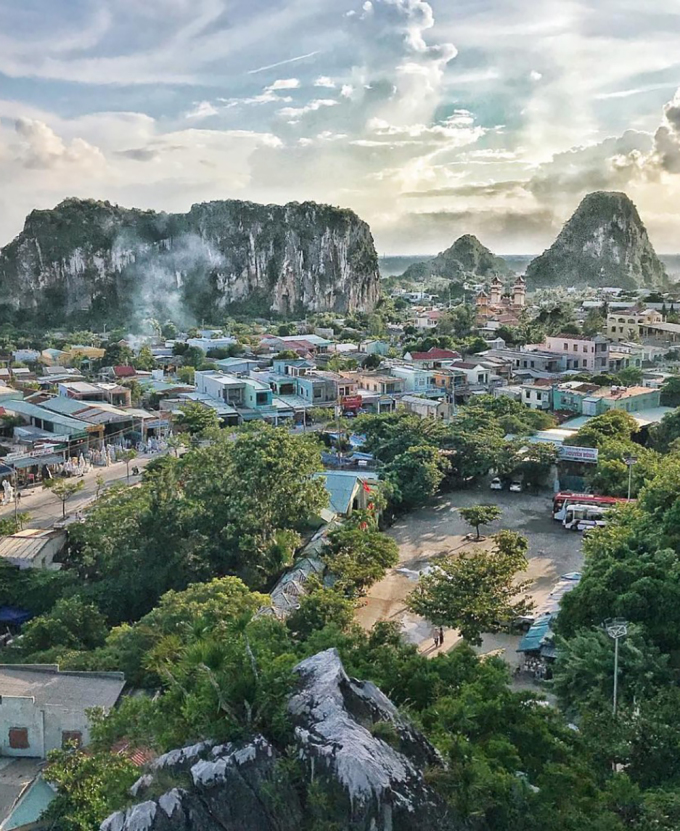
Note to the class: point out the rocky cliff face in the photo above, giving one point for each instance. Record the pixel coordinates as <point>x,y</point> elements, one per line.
<point>466,259</point>
<point>110,262</point>
<point>605,243</point>
<point>365,763</point>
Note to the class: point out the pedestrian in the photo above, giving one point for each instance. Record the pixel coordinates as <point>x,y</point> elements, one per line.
<point>441,636</point>
<point>18,496</point>
<point>435,638</point>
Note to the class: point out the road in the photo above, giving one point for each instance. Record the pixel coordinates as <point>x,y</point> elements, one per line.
<point>45,509</point>
<point>439,529</point>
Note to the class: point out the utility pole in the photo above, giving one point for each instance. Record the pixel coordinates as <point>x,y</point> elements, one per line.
<point>616,628</point>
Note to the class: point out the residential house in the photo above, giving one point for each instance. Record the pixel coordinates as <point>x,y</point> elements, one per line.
<point>628,324</point>
<point>425,319</point>
<point>433,358</point>
<point>33,548</point>
<point>530,359</point>
<point>426,407</point>
<point>348,491</point>
<point>415,379</point>
<point>477,374</point>
<point>590,400</point>
<point>538,396</point>
<point>206,344</point>
<point>312,344</point>
<point>375,347</point>
<point>377,382</point>
<point>83,391</point>
<point>237,366</point>
<point>580,351</point>
<point>44,709</point>
<point>26,356</point>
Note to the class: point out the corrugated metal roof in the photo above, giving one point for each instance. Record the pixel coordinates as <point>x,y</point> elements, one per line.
<point>34,411</point>
<point>341,485</point>
<point>27,548</point>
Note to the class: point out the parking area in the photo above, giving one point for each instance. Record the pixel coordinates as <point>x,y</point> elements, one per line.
<point>439,529</point>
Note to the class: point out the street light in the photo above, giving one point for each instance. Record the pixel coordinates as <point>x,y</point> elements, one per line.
<point>616,628</point>
<point>630,461</point>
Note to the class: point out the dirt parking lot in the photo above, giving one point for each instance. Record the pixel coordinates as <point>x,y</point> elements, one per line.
<point>439,529</point>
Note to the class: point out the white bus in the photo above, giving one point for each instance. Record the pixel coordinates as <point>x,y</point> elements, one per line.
<point>579,517</point>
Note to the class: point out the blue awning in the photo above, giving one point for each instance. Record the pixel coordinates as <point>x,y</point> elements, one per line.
<point>10,614</point>
<point>534,638</point>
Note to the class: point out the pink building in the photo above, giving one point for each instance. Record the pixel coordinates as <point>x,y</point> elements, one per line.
<point>580,352</point>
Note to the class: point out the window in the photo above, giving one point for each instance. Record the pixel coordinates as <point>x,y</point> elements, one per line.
<point>566,346</point>
<point>575,347</point>
<point>71,737</point>
<point>585,348</point>
<point>539,396</point>
<point>18,738</point>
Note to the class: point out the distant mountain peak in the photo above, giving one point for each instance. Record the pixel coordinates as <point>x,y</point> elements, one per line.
<point>605,243</point>
<point>466,259</point>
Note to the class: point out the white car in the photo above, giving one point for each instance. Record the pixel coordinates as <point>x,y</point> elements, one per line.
<point>515,487</point>
<point>496,484</point>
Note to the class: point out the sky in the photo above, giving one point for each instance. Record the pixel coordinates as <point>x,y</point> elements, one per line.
<point>429,119</point>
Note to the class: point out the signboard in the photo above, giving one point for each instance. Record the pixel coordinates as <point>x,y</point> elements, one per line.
<point>588,455</point>
<point>32,454</point>
<point>352,402</point>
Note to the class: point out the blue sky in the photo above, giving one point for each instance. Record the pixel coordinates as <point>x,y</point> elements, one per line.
<point>430,119</point>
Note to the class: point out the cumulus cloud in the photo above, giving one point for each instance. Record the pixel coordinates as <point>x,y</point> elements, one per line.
<point>294,114</point>
<point>283,83</point>
<point>325,81</point>
<point>41,148</point>
<point>204,109</point>
<point>667,138</point>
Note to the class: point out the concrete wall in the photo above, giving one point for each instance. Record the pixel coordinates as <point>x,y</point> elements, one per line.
<point>45,726</point>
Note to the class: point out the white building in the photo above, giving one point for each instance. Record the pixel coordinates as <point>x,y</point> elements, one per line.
<point>43,709</point>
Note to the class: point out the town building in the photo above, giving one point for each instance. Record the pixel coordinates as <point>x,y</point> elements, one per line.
<point>580,352</point>
<point>628,324</point>
<point>426,407</point>
<point>45,709</point>
<point>33,548</point>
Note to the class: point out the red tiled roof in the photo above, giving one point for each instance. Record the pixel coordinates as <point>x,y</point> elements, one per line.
<point>124,371</point>
<point>435,354</point>
<point>139,756</point>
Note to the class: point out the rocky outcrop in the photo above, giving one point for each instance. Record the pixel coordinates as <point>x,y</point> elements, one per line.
<point>107,263</point>
<point>351,734</point>
<point>605,243</point>
<point>466,259</point>
<point>365,763</point>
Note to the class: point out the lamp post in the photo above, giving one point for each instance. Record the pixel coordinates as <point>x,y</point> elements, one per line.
<point>630,461</point>
<point>616,628</point>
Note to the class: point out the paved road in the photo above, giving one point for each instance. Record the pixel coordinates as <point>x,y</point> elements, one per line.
<point>45,509</point>
<point>439,529</point>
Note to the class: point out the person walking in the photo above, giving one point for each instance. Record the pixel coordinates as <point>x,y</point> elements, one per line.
<point>441,636</point>
<point>435,638</point>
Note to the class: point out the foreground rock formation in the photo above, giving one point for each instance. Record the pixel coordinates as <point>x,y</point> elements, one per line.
<point>364,760</point>
<point>107,263</point>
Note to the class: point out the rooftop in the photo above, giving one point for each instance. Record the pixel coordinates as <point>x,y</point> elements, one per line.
<point>53,689</point>
<point>341,484</point>
<point>28,544</point>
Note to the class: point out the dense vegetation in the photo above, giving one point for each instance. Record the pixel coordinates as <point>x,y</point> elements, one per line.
<point>168,582</point>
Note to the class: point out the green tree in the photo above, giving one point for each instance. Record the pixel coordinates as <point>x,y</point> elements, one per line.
<point>670,392</point>
<point>196,418</point>
<point>583,676</point>
<point>145,360</point>
<point>64,490</point>
<point>90,786</point>
<point>535,462</point>
<point>476,592</point>
<point>359,557</point>
<point>416,474</point>
<point>127,456</point>
<point>372,361</point>
<point>614,424</point>
<point>631,376</point>
<point>319,608</point>
<point>186,375</point>
<point>70,624</point>
<point>478,515</point>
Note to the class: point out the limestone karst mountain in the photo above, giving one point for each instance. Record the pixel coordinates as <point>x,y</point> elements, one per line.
<point>105,263</point>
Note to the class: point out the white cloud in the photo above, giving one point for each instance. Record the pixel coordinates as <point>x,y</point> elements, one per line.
<point>41,148</point>
<point>296,113</point>
<point>325,81</point>
<point>204,109</point>
<point>283,83</point>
